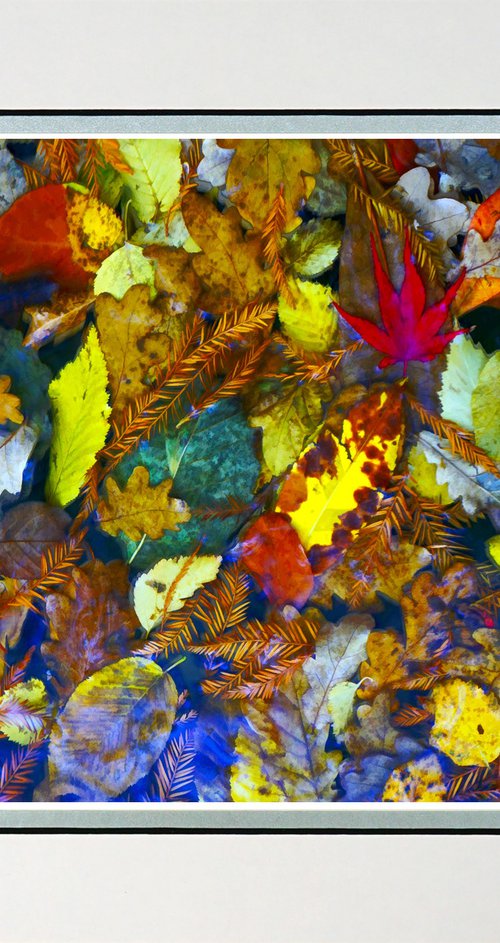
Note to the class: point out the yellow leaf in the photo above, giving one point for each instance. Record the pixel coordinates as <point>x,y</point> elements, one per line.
<point>169,583</point>
<point>341,705</point>
<point>286,423</point>
<point>493,545</point>
<point>466,723</point>
<point>424,477</point>
<point>154,183</point>
<point>9,403</point>
<point>417,781</point>
<point>23,710</point>
<point>140,509</point>
<point>230,263</point>
<point>133,338</point>
<point>80,420</point>
<point>111,730</point>
<point>332,479</point>
<point>309,318</point>
<point>260,166</point>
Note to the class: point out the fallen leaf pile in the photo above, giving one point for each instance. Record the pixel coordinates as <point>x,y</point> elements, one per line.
<point>250,471</point>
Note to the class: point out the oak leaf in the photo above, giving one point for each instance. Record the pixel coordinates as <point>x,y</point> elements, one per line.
<point>140,509</point>
<point>9,403</point>
<point>230,264</point>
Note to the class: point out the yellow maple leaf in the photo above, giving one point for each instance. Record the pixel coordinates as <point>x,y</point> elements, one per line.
<point>333,478</point>
<point>466,723</point>
<point>9,403</point>
<point>229,264</point>
<point>259,167</point>
<point>140,509</point>
<point>80,420</point>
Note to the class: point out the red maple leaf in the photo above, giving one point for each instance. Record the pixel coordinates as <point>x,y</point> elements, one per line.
<point>410,331</point>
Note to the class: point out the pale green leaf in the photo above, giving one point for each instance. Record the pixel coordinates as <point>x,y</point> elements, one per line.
<point>154,183</point>
<point>125,267</point>
<point>167,585</point>
<point>464,362</point>
<point>485,408</point>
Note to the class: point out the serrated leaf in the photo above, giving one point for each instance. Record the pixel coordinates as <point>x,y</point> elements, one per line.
<point>313,248</point>
<point>308,318</point>
<point>154,183</point>
<point>111,730</point>
<point>167,586</point>
<point>80,409</point>
<point>139,509</point>
<point>122,269</point>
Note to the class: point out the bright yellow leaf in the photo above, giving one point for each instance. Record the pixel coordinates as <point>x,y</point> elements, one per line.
<point>80,420</point>
<point>169,583</point>
<point>309,318</point>
<point>417,781</point>
<point>466,723</point>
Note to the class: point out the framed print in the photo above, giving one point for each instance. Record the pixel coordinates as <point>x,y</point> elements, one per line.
<point>249,471</point>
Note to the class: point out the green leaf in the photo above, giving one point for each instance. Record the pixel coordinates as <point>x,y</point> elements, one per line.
<point>210,460</point>
<point>485,412</point>
<point>310,321</point>
<point>154,183</point>
<point>287,424</point>
<point>281,745</point>
<point>80,410</point>
<point>314,247</point>
<point>464,363</point>
<point>122,269</point>
<point>111,730</point>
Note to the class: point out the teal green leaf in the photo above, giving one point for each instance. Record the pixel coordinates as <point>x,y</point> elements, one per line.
<point>210,460</point>
<point>30,382</point>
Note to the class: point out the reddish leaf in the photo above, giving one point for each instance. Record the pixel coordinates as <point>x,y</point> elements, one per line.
<point>26,533</point>
<point>92,623</point>
<point>273,554</point>
<point>34,238</point>
<point>410,330</point>
<point>403,153</point>
<point>486,216</point>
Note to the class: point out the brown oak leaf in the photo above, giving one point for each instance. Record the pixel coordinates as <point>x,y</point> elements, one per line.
<point>140,509</point>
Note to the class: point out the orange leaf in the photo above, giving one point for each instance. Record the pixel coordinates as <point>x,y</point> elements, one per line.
<point>273,554</point>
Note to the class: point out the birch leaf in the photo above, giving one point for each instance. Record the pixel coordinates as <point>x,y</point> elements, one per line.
<point>167,585</point>
<point>111,730</point>
<point>313,248</point>
<point>485,414</point>
<point>80,409</point>
<point>309,318</point>
<point>139,509</point>
<point>154,183</point>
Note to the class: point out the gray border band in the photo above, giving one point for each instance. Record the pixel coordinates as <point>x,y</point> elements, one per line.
<point>44,125</point>
<point>372,816</point>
